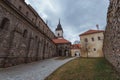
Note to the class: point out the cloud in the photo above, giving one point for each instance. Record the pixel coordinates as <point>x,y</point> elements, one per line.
<point>76,16</point>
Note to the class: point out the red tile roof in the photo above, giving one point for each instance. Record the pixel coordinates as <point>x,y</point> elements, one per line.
<point>60,41</point>
<point>91,32</point>
<point>76,46</point>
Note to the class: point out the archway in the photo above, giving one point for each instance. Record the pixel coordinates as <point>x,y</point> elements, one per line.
<point>77,53</point>
<point>66,53</point>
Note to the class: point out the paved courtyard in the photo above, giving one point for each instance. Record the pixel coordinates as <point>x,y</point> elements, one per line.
<point>32,71</point>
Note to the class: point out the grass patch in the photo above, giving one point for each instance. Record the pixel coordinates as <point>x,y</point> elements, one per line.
<point>62,58</point>
<point>85,69</point>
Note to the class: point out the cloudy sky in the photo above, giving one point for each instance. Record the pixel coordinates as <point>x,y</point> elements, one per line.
<point>77,16</point>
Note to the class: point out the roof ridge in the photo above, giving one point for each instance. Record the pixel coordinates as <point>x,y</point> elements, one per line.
<point>90,31</point>
<point>62,40</point>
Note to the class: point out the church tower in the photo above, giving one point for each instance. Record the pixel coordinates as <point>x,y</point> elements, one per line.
<point>59,30</point>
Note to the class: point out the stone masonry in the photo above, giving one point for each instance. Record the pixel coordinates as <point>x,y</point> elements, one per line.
<point>112,35</point>
<point>24,36</point>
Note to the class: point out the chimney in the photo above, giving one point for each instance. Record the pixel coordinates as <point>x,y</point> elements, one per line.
<point>97,26</point>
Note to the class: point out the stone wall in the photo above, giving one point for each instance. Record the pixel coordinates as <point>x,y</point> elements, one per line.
<point>112,34</point>
<point>23,39</point>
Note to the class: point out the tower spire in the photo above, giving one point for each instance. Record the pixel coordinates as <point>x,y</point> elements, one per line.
<point>59,30</point>
<point>59,20</point>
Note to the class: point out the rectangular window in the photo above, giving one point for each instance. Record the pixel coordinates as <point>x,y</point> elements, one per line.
<point>86,40</point>
<point>92,39</point>
<point>20,8</point>
<point>94,49</point>
<point>99,38</point>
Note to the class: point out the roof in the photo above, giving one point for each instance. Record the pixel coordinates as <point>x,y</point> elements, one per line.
<point>76,46</point>
<point>59,27</point>
<point>60,41</point>
<point>91,32</point>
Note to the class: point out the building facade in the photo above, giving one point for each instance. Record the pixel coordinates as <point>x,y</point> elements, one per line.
<point>92,43</point>
<point>24,36</point>
<point>63,45</point>
<point>111,47</point>
<point>75,50</point>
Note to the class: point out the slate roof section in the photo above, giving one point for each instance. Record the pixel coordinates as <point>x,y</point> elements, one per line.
<point>59,27</point>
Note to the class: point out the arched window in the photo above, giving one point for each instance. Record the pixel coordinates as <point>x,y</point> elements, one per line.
<point>25,33</point>
<point>5,23</point>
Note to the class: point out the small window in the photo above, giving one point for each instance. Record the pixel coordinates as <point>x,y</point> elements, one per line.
<point>92,39</point>
<point>39,23</point>
<point>25,33</point>
<point>5,23</point>
<point>27,13</point>
<point>58,34</point>
<point>86,40</point>
<point>99,38</point>
<point>47,44</point>
<point>36,38</point>
<point>94,49</point>
<point>20,8</point>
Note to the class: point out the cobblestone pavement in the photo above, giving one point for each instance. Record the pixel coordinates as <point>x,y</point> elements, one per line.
<point>32,71</point>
